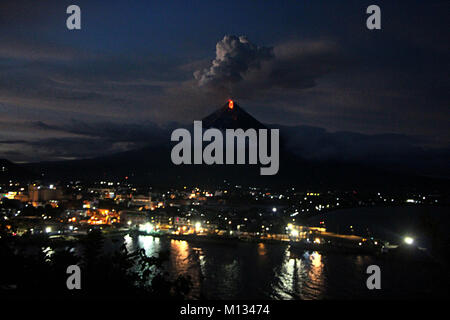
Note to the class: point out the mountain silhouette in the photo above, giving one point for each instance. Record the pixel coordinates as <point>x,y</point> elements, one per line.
<point>152,165</point>
<point>13,172</point>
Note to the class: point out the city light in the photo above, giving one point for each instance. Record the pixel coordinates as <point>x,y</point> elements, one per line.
<point>408,240</point>
<point>48,229</point>
<point>294,233</point>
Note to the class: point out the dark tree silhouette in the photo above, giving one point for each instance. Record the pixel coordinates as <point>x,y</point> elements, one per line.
<point>120,274</point>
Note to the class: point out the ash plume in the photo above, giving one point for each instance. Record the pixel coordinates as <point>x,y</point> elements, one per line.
<point>244,69</point>
<point>235,56</point>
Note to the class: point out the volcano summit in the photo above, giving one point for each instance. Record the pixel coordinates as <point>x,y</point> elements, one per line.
<point>233,120</point>
<point>231,116</point>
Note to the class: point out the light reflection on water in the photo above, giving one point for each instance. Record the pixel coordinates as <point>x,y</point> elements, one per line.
<point>149,244</point>
<point>270,271</point>
<point>315,285</point>
<point>262,249</point>
<point>180,254</point>
<point>299,278</point>
<point>224,272</point>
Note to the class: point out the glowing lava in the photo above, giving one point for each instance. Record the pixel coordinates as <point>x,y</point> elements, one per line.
<point>230,104</point>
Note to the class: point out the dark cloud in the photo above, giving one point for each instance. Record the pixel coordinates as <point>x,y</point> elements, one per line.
<point>30,50</point>
<point>396,151</point>
<point>132,133</point>
<point>19,13</point>
<point>85,140</point>
<point>79,139</point>
<point>77,148</point>
<point>12,141</point>
<point>318,143</point>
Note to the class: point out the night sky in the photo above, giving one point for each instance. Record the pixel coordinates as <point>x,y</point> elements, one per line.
<point>136,66</point>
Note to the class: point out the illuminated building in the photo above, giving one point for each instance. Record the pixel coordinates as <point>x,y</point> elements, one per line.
<point>133,218</point>
<point>141,200</point>
<point>103,216</point>
<point>40,193</point>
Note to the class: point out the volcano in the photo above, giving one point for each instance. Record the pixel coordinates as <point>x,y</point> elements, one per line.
<point>231,116</point>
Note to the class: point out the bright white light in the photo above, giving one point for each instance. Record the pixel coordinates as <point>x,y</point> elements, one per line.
<point>198,225</point>
<point>274,209</point>
<point>48,229</point>
<point>294,233</point>
<point>147,227</point>
<point>408,240</point>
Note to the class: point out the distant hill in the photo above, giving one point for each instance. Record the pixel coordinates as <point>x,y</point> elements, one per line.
<point>14,172</point>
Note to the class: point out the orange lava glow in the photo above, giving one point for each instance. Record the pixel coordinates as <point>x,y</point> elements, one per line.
<point>230,104</point>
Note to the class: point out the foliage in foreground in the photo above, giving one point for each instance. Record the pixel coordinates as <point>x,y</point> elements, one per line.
<point>121,274</point>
